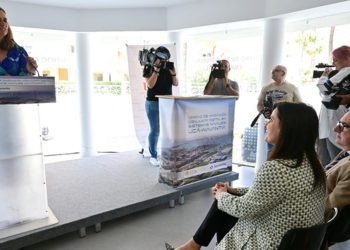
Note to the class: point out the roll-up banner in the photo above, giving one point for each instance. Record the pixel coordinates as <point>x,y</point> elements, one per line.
<point>196,138</point>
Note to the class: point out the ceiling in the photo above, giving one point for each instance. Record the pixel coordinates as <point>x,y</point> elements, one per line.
<point>105,4</point>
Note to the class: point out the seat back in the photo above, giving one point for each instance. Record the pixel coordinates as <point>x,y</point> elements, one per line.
<point>309,238</point>
<point>339,229</point>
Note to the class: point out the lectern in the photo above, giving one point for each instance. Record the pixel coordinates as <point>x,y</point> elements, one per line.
<point>23,193</point>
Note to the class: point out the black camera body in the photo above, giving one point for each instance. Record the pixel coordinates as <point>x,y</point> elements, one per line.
<point>268,106</point>
<point>217,70</point>
<point>166,65</point>
<point>147,57</point>
<point>318,73</point>
<point>337,84</point>
<point>266,111</point>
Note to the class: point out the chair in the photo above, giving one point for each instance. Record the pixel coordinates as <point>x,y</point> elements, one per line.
<point>310,238</point>
<point>339,229</point>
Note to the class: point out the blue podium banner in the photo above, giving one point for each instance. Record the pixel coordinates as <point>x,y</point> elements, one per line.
<point>26,89</point>
<point>196,138</point>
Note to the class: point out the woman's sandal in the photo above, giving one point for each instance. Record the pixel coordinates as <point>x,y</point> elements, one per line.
<point>168,246</point>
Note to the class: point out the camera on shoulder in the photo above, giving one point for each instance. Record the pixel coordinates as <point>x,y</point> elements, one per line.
<point>218,70</point>
<point>338,83</point>
<point>147,57</point>
<point>318,73</point>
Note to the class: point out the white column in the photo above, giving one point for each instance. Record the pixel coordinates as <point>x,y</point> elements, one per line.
<point>274,31</point>
<point>85,88</point>
<point>176,37</point>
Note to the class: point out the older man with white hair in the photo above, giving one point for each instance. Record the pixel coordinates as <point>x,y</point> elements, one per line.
<point>338,173</point>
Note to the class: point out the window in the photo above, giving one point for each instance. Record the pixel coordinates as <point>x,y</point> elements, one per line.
<point>63,74</point>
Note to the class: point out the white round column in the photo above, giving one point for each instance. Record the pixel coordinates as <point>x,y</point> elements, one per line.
<point>274,30</point>
<point>176,37</point>
<point>85,88</point>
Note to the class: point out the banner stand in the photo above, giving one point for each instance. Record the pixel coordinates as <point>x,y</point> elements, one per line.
<point>196,137</point>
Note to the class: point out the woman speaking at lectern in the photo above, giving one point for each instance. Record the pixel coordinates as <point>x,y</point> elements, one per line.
<point>14,60</point>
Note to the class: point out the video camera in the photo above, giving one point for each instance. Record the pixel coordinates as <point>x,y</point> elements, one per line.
<point>337,84</point>
<point>166,65</point>
<point>148,57</point>
<point>318,73</point>
<point>266,111</point>
<point>217,70</point>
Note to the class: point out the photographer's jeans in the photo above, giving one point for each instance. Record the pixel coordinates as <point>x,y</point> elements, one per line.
<point>152,110</point>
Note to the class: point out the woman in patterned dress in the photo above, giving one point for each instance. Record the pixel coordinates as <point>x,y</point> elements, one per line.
<point>14,59</point>
<point>288,190</point>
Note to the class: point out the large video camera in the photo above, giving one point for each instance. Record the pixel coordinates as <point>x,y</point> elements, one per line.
<point>266,111</point>
<point>337,84</point>
<point>217,70</point>
<point>148,57</point>
<point>318,73</point>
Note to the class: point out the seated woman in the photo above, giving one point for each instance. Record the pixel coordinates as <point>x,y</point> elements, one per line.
<point>14,59</point>
<point>289,189</point>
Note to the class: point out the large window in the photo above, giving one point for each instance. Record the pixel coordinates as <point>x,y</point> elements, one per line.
<point>113,118</point>
<point>305,49</point>
<point>243,50</point>
<point>54,53</point>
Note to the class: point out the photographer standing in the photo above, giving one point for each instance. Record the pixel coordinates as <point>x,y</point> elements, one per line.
<point>219,84</point>
<point>159,77</point>
<point>278,91</point>
<point>327,148</point>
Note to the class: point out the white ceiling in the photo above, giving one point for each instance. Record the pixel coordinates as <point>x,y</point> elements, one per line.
<point>161,15</point>
<point>105,4</point>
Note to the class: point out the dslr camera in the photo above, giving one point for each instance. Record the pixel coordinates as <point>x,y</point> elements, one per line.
<point>266,111</point>
<point>217,70</point>
<point>337,84</point>
<point>268,106</point>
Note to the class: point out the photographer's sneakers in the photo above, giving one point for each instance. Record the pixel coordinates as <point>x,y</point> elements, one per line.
<point>154,161</point>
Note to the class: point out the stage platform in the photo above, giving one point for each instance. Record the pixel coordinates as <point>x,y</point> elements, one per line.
<point>86,192</point>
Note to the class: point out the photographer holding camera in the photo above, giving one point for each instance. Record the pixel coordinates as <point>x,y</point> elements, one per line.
<point>278,91</point>
<point>333,108</point>
<point>160,76</point>
<point>218,83</point>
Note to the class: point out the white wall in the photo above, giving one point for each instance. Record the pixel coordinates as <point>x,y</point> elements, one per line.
<point>45,17</point>
<point>206,12</point>
<point>210,12</point>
